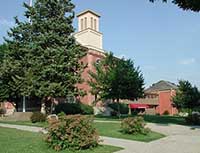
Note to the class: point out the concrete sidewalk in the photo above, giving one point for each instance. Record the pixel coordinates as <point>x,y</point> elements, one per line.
<point>180,139</point>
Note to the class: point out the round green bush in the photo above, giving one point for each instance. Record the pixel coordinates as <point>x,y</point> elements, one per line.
<point>72,132</point>
<point>134,125</point>
<point>38,117</point>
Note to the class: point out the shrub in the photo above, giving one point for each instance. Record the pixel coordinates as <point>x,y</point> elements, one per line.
<point>134,125</point>
<point>166,112</point>
<point>61,114</point>
<point>123,107</point>
<point>73,132</point>
<point>86,109</point>
<point>2,111</point>
<point>193,119</point>
<point>73,108</point>
<point>197,109</point>
<point>113,113</point>
<point>68,108</point>
<point>38,117</point>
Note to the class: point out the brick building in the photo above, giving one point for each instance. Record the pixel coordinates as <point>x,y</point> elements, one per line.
<point>158,96</point>
<point>158,99</point>
<point>89,36</point>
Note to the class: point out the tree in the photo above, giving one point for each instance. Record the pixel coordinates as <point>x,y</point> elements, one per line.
<point>116,79</point>
<point>43,57</point>
<point>193,5</point>
<point>3,49</point>
<point>186,96</point>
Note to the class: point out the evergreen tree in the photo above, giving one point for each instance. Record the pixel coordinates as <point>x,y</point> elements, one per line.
<point>3,49</point>
<point>116,79</point>
<point>186,96</point>
<point>43,57</point>
<point>193,5</point>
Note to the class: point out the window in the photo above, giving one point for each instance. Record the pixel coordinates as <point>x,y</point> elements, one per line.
<point>81,24</point>
<point>91,22</point>
<point>95,24</point>
<point>85,23</point>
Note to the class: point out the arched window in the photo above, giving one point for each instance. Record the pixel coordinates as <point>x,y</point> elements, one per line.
<point>81,24</point>
<point>85,23</point>
<point>95,24</point>
<point>91,22</point>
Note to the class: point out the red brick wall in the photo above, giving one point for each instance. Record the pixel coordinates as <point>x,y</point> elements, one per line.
<point>91,57</point>
<point>165,102</point>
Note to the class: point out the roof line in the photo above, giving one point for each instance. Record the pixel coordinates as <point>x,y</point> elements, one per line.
<point>86,11</point>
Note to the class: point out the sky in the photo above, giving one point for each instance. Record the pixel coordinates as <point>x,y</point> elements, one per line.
<point>161,39</point>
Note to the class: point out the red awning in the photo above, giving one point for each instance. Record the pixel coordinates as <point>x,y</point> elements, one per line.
<point>135,105</point>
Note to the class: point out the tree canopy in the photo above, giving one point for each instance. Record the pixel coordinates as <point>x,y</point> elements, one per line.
<point>3,49</point>
<point>187,96</point>
<point>116,79</point>
<point>193,5</point>
<point>43,56</point>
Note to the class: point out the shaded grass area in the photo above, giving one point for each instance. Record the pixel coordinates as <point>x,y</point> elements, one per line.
<point>149,118</point>
<point>16,141</point>
<point>113,130</point>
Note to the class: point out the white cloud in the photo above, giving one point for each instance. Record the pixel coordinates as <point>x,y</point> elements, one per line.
<point>4,22</point>
<point>187,61</point>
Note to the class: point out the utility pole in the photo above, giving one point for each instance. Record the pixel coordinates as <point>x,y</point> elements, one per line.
<point>24,97</point>
<point>31,3</point>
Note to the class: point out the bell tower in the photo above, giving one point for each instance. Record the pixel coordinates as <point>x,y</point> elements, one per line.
<point>88,33</point>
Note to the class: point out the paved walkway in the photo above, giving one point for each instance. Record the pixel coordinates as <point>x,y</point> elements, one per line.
<point>180,139</point>
<point>23,127</point>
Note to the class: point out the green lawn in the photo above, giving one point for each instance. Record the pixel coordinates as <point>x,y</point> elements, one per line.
<point>106,129</point>
<point>150,118</point>
<point>28,123</point>
<point>16,141</point>
<point>113,130</point>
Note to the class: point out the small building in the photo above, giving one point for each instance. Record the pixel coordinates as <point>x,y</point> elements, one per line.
<point>158,99</point>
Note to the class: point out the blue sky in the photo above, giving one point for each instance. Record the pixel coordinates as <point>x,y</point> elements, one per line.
<point>161,38</point>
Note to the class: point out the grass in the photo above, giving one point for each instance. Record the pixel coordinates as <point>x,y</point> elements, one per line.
<point>149,118</point>
<point>165,119</point>
<point>28,123</point>
<point>16,141</point>
<point>106,129</point>
<point>113,130</point>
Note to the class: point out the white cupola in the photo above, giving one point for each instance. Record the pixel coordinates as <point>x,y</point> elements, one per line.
<point>88,33</point>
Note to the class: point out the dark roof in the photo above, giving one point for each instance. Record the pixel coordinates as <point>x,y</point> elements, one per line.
<point>161,86</point>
